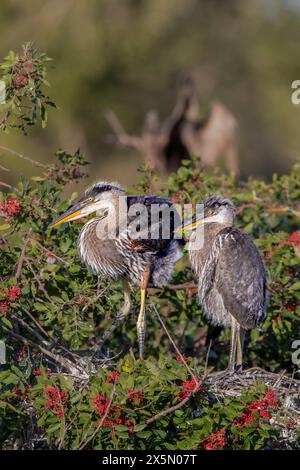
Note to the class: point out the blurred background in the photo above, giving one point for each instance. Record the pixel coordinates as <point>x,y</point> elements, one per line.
<point>128,55</point>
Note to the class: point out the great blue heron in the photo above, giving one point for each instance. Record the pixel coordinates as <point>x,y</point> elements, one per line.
<point>145,259</point>
<point>231,273</point>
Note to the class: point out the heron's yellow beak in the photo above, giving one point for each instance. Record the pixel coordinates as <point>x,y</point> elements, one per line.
<point>189,226</point>
<point>79,210</point>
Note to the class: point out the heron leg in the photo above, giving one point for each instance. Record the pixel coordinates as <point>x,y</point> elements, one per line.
<point>233,344</point>
<point>240,346</point>
<point>120,317</point>
<point>141,324</point>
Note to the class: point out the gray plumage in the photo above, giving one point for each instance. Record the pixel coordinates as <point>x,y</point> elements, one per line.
<point>137,250</point>
<point>124,257</point>
<point>230,270</point>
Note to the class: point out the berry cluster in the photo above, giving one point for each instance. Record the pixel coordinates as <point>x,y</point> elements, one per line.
<point>135,396</point>
<point>181,358</point>
<point>38,372</point>
<point>10,207</point>
<point>215,442</point>
<point>113,414</point>
<point>23,396</point>
<point>113,377</point>
<point>293,240</point>
<point>21,354</point>
<point>254,412</point>
<point>258,409</point>
<point>81,301</point>
<point>22,74</point>
<point>55,400</point>
<point>188,387</point>
<point>8,297</point>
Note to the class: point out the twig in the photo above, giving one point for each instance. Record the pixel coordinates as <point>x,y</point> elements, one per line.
<point>179,405</point>
<point>74,369</point>
<point>34,320</point>
<point>71,422</point>
<point>83,443</point>
<point>207,357</point>
<point>174,345</point>
<point>276,384</point>
<point>6,185</point>
<point>185,285</point>
<point>170,410</point>
<point>74,355</point>
<point>30,329</point>
<point>46,250</point>
<point>283,210</point>
<point>23,157</point>
<point>22,256</point>
<point>4,168</point>
<point>38,280</point>
<point>197,382</point>
<point>122,137</point>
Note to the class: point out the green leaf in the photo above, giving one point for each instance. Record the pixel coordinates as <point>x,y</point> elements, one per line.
<point>295,286</point>
<point>4,227</point>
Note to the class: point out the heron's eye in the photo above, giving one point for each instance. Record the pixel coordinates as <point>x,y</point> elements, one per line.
<point>89,199</point>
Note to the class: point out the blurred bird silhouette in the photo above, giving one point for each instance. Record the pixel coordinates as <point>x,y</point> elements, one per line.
<point>231,273</point>
<point>140,249</point>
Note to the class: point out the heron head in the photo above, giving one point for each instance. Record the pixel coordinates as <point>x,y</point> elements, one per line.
<point>98,198</point>
<point>216,210</point>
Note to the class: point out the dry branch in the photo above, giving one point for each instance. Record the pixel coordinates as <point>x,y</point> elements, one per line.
<point>183,134</point>
<point>75,369</point>
<point>23,157</point>
<point>22,255</point>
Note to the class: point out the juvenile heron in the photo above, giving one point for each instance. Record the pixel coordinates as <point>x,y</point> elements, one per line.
<point>141,258</point>
<point>231,274</point>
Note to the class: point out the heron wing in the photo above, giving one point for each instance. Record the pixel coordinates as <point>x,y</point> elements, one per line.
<point>151,223</point>
<point>237,272</point>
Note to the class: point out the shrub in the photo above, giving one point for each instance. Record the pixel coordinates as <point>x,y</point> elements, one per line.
<point>51,306</point>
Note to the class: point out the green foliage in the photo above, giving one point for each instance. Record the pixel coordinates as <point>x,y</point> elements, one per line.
<point>113,410</point>
<point>61,298</point>
<point>49,302</point>
<point>24,76</point>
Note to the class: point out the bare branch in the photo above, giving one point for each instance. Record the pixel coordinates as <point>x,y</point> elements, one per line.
<point>34,320</point>
<point>22,255</point>
<point>23,157</point>
<point>173,408</point>
<point>49,252</point>
<point>6,185</point>
<point>174,345</point>
<point>83,443</point>
<point>30,329</point>
<point>4,168</point>
<point>121,135</point>
<point>39,282</point>
<point>64,362</point>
